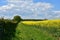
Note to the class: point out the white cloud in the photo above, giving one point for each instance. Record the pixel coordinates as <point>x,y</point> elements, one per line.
<point>6,7</point>
<point>18,0</point>
<point>58,12</point>
<point>28,9</point>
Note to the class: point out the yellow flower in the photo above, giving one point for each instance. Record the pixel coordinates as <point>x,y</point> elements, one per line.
<point>47,23</point>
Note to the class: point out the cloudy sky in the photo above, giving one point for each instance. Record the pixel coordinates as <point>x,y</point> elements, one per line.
<point>30,9</point>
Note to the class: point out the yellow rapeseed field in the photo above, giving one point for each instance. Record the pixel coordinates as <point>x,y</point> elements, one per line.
<point>46,23</point>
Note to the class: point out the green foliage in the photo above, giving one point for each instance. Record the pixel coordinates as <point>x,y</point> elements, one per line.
<point>7,29</point>
<point>31,32</point>
<point>17,18</point>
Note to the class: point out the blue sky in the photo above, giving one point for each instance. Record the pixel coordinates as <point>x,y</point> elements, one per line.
<point>56,3</point>
<point>39,9</point>
<point>53,2</point>
<point>3,2</point>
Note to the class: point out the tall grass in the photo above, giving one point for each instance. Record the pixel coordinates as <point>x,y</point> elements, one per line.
<point>30,32</point>
<point>50,26</point>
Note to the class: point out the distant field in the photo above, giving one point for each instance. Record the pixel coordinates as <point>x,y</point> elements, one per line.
<point>47,23</point>
<point>38,30</point>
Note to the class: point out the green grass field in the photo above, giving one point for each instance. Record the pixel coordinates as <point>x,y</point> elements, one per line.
<point>31,30</point>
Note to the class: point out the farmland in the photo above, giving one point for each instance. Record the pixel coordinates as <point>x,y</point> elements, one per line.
<point>29,30</point>
<point>38,30</point>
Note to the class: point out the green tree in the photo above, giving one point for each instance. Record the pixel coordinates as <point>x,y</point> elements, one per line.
<point>17,18</point>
